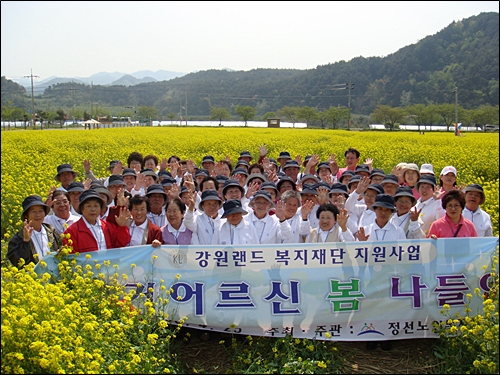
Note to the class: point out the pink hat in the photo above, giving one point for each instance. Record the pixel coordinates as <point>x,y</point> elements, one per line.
<point>448,169</point>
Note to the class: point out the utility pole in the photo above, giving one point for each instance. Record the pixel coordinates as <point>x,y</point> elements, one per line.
<point>345,86</point>
<point>32,99</point>
<point>92,99</point>
<point>456,110</point>
<point>186,107</point>
<point>350,86</point>
<point>73,96</point>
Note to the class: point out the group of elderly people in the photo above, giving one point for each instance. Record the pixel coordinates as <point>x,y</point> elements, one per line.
<point>267,201</point>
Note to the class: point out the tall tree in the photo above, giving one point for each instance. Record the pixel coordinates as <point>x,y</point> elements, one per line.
<point>388,115</point>
<point>246,112</point>
<point>219,113</point>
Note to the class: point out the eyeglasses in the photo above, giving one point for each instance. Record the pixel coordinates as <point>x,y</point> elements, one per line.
<point>172,212</point>
<point>61,202</point>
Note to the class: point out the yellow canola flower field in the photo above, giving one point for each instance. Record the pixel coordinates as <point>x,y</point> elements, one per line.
<point>30,158</point>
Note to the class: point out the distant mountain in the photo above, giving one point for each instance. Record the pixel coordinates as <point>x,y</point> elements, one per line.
<point>160,75</point>
<point>102,78</point>
<point>130,80</point>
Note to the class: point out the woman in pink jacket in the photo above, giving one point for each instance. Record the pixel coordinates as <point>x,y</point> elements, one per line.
<point>453,224</point>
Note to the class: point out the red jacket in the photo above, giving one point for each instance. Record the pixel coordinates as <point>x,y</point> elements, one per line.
<point>154,231</point>
<point>84,241</point>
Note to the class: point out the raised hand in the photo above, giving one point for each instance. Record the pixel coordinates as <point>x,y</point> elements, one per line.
<point>361,234</point>
<point>121,200</point>
<point>363,185</point>
<point>414,214</point>
<point>188,181</point>
<point>140,181</point>
<point>298,159</point>
<point>252,189</point>
<point>174,191</point>
<point>280,210</point>
<point>163,164</point>
<point>262,150</point>
<point>27,230</point>
<point>332,161</point>
<point>117,169</point>
<point>342,218</point>
<point>49,202</point>
<point>369,163</point>
<point>86,183</point>
<point>322,194</point>
<point>307,208</point>
<point>86,165</point>
<point>438,193</point>
<point>191,198</point>
<point>122,217</point>
<point>174,167</point>
<point>190,166</point>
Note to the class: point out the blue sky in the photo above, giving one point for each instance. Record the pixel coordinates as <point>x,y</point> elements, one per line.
<point>78,39</point>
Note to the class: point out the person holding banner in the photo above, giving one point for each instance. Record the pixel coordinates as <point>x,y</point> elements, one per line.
<point>90,232</point>
<point>453,224</point>
<point>142,230</point>
<point>175,232</point>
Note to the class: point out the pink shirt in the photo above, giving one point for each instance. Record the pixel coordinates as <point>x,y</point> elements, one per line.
<point>445,228</point>
<point>342,170</point>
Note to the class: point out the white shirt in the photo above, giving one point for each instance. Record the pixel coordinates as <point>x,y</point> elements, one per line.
<point>59,223</point>
<point>202,226</point>
<point>159,220</point>
<point>242,234</point>
<point>269,228</point>
<point>389,232</point>
<point>355,209</point>
<point>431,211</point>
<point>97,232</point>
<point>300,229</point>
<point>414,229</point>
<point>481,220</point>
<point>137,233</point>
<point>41,242</point>
<point>73,211</point>
<point>313,220</point>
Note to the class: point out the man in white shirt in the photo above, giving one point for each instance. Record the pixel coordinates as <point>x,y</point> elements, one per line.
<point>62,217</point>
<point>157,201</point>
<point>234,230</point>
<point>382,229</point>
<point>299,221</point>
<point>270,228</point>
<point>474,197</point>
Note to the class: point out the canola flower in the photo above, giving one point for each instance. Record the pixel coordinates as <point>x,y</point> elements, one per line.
<point>387,150</point>
<point>79,324</point>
